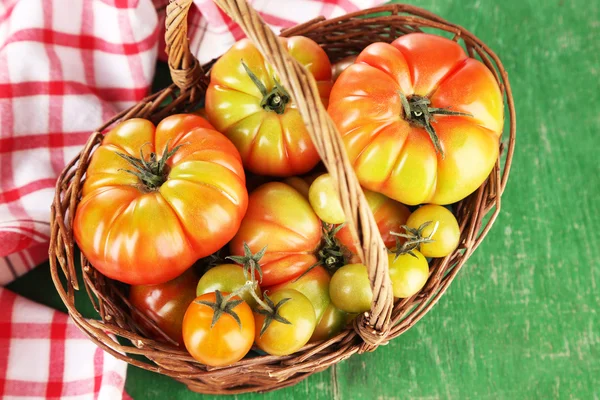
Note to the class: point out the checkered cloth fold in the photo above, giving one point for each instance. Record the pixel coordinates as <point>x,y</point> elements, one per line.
<point>65,67</point>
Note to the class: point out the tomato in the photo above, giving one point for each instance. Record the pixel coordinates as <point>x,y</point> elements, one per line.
<point>281,219</point>
<point>246,102</point>
<point>301,185</point>
<point>226,278</point>
<point>325,201</point>
<point>148,227</point>
<point>408,273</point>
<point>279,338</point>
<point>389,217</point>
<point>350,290</point>
<point>446,236</point>
<point>165,303</point>
<point>385,103</point>
<point>314,285</point>
<point>223,343</point>
<point>331,323</point>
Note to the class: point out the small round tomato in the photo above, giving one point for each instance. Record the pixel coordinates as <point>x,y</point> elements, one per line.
<point>325,201</point>
<point>447,235</point>
<point>314,285</point>
<point>350,289</point>
<point>224,342</point>
<point>226,278</point>
<point>246,102</point>
<point>408,273</point>
<point>279,338</point>
<point>165,303</point>
<point>332,322</point>
<point>280,219</point>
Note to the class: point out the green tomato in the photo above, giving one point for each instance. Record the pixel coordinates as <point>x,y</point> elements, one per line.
<point>226,278</point>
<point>331,323</point>
<point>408,274</point>
<point>447,235</point>
<point>314,285</point>
<point>350,289</point>
<point>325,201</point>
<point>281,339</point>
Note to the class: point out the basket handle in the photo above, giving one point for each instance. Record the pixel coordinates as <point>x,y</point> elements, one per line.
<point>372,326</point>
<point>186,71</point>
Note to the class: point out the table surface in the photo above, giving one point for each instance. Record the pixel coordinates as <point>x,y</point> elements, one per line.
<point>521,319</point>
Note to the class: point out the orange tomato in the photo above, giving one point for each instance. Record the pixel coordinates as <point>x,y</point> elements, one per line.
<point>223,343</point>
<point>383,103</point>
<point>146,223</point>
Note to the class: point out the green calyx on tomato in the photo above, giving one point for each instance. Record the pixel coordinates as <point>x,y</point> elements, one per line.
<point>417,112</point>
<point>250,261</point>
<point>274,100</point>
<point>332,254</point>
<point>227,278</point>
<point>414,238</point>
<point>223,305</point>
<point>152,173</point>
<point>271,312</point>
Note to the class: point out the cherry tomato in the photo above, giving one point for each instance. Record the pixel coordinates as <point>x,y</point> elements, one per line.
<point>165,303</point>
<point>281,339</point>
<point>331,323</point>
<point>226,278</point>
<point>146,222</point>
<point>350,290</point>
<point>383,103</point>
<point>447,235</point>
<point>325,201</point>
<point>246,102</point>
<point>408,273</point>
<point>224,343</point>
<point>314,285</point>
<point>281,219</point>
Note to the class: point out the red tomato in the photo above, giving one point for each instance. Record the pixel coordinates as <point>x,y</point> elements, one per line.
<point>166,303</point>
<point>223,343</point>
<point>258,115</point>
<point>281,219</point>
<point>149,227</point>
<point>385,135</point>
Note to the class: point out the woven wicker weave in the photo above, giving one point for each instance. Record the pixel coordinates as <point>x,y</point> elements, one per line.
<point>386,320</point>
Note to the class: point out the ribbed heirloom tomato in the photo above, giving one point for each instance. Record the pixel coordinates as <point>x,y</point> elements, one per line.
<point>155,200</point>
<point>420,119</point>
<point>246,102</point>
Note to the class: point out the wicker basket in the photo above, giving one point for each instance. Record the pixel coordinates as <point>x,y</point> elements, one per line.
<point>387,319</point>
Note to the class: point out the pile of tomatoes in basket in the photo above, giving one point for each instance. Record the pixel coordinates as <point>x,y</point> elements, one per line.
<point>228,229</point>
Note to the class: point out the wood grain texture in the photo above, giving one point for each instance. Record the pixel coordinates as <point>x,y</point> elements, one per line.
<point>521,320</point>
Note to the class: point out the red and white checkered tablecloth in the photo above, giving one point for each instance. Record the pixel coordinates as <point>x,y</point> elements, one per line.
<point>66,66</point>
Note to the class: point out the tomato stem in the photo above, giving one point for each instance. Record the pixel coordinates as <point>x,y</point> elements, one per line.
<point>271,312</point>
<point>152,173</point>
<point>250,262</point>
<point>414,239</point>
<point>418,112</point>
<point>274,100</point>
<point>332,254</point>
<point>222,305</point>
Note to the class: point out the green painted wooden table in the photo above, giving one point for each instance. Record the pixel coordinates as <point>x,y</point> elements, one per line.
<point>521,320</point>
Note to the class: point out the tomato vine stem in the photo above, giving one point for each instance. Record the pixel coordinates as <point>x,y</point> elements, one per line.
<point>274,100</point>
<point>417,112</point>
<point>153,172</point>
